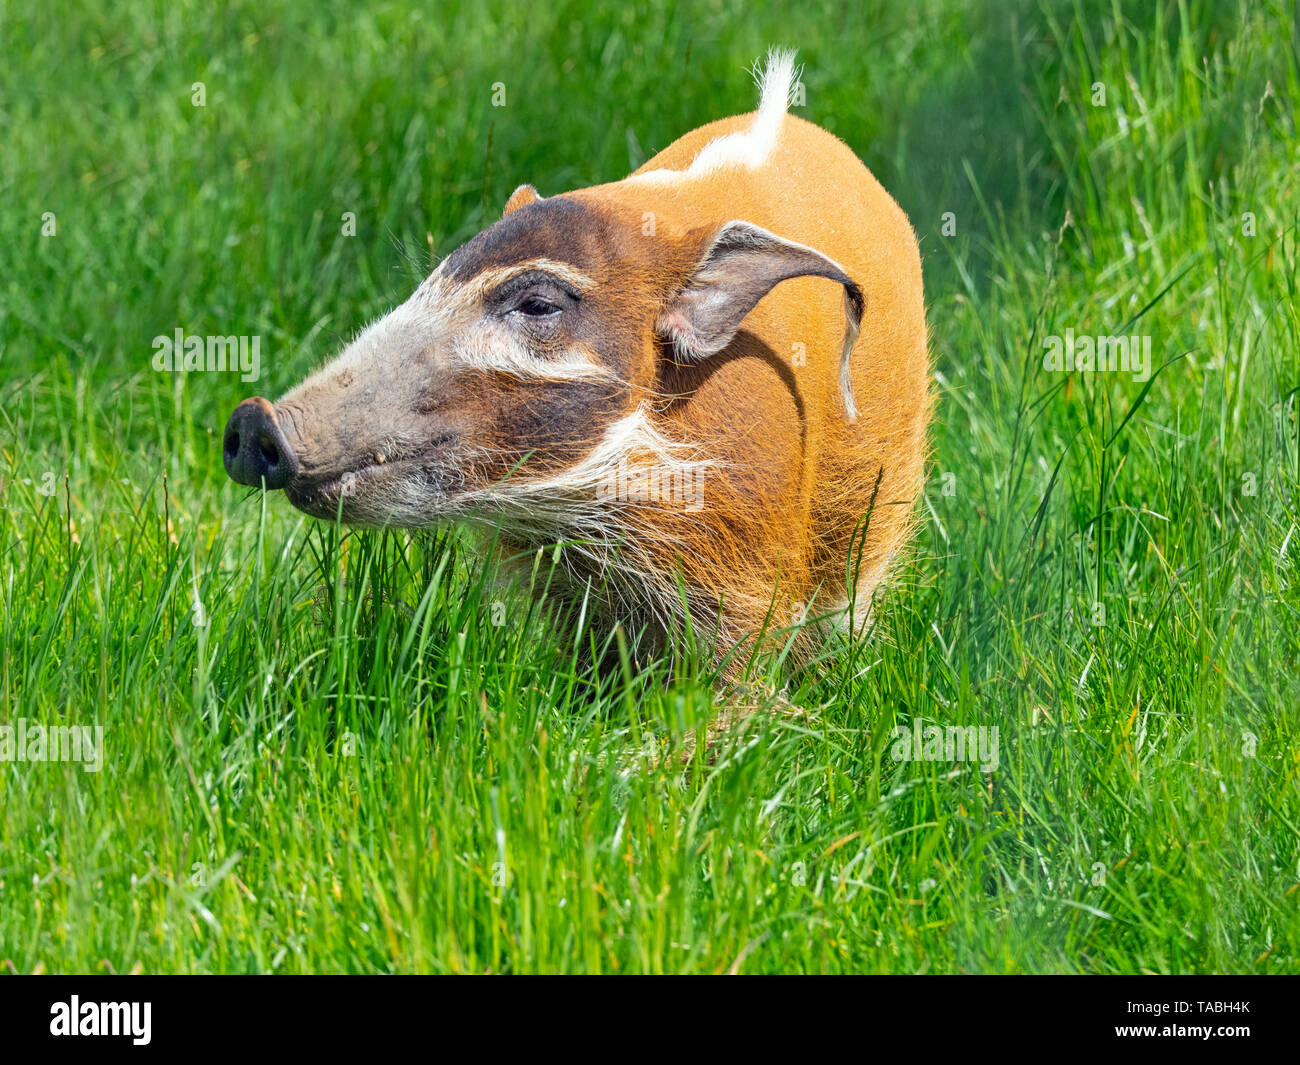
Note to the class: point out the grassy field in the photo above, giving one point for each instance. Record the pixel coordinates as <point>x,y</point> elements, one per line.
<point>328,751</point>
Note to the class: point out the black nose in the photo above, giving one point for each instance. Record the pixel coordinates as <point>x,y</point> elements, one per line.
<point>255,449</point>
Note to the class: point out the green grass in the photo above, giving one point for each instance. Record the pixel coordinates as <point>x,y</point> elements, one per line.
<point>359,753</point>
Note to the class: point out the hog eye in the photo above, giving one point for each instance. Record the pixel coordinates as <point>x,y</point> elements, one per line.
<point>535,306</point>
<point>534,297</point>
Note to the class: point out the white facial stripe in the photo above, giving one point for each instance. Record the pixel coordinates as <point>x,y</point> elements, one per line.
<point>455,310</point>
<point>496,350</point>
<point>444,321</point>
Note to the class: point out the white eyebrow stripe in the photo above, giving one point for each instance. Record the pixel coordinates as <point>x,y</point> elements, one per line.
<point>566,272</point>
<point>444,298</point>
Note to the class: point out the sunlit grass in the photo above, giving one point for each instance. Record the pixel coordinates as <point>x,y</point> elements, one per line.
<point>371,752</point>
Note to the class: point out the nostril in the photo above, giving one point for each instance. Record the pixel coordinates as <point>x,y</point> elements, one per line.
<point>270,453</point>
<point>231,446</point>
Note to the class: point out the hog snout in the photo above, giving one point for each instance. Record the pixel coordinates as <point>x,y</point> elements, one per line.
<point>255,449</point>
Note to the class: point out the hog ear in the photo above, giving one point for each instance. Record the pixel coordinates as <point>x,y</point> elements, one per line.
<point>741,264</point>
<point>521,197</point>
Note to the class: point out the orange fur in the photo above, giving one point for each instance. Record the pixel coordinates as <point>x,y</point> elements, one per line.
<point>794,475</point>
